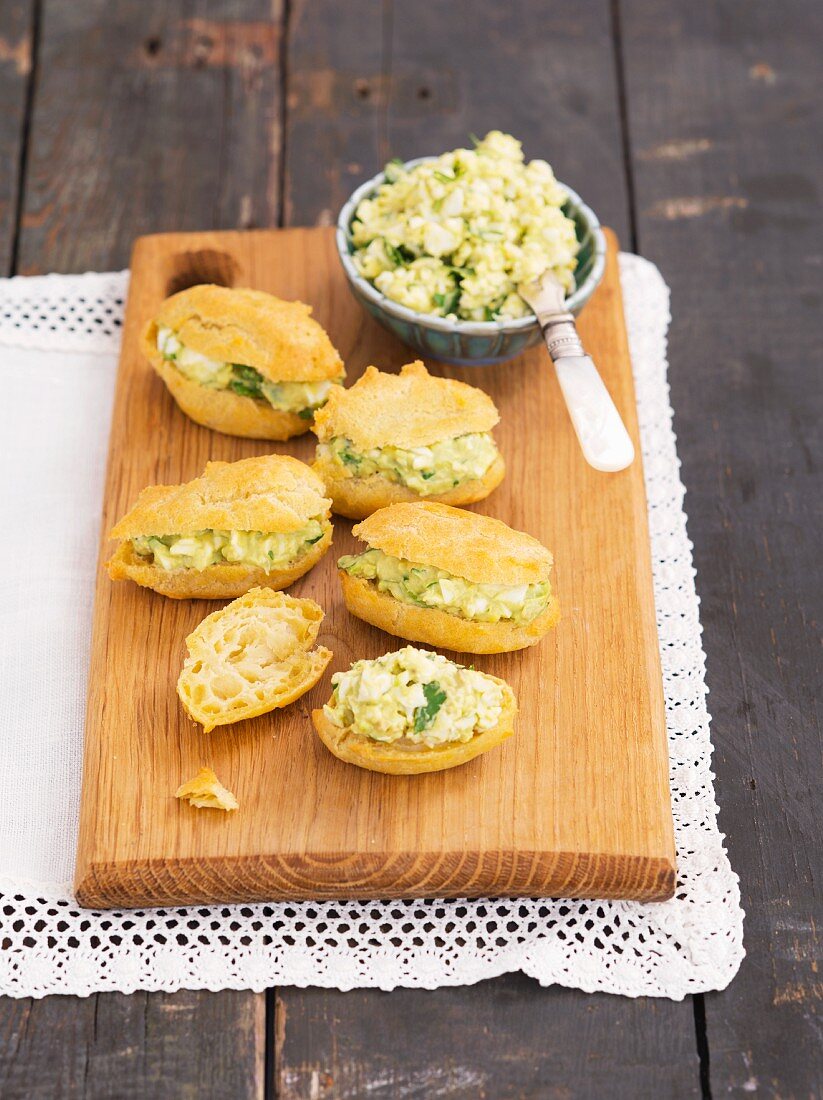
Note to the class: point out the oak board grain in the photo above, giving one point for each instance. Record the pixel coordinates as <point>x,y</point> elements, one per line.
<point>576,803</point>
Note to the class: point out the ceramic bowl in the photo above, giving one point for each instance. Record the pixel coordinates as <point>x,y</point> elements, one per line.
<point>469,343</point>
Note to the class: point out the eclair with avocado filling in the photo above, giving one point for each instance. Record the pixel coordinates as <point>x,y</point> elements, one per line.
<point>451,578</point>
<point>242,361</point>
<point>401,437</point>
<point>414,711</point>
<point>260,521</point>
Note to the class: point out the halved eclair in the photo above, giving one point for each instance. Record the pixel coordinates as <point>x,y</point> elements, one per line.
<point>414,711</point>
<point>260,521</point>
<point>410,436</point>
<point>452,578</point>
<point>242,361</point>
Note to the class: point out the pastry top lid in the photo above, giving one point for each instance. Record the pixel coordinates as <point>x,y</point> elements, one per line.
<point>409,409</point>
<point>253,329</point>
<point>478,548</point>
<point>273,493</point>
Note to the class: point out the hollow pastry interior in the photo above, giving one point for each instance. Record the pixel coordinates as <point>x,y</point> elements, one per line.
<point>253,656</point>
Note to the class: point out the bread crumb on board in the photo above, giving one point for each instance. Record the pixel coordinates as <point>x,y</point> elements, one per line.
<point>207,792</point>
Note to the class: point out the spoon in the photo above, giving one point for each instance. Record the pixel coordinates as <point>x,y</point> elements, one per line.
<point>600,431</point>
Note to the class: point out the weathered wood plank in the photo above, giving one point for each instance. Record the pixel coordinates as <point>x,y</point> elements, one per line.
<point>150,115</point>
<point>502,1039</point>
<point>403,79</point>
<point>726,112</point>
<point>156,1045</point>
<point>17,25</point>
<point>146,116</point>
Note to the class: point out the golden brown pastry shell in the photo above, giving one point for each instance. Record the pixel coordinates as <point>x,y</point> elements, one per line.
<point>222,410</point>
<point>478,548</point>
<point>439,628</point>
<point>377,756</point>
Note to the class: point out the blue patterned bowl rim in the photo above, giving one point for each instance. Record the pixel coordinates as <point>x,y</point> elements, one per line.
<point>574,302</point>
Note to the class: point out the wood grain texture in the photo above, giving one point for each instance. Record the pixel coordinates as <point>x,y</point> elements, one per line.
<point>417,78</point>
<point>507,1039</point>
<point>575,804</point>
<point>161,1046</point>
<point>729,206</point>
<point>149,115</point>
<point>17,27</point>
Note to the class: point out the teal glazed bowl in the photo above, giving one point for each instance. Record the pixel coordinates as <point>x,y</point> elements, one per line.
<point>469,343</point>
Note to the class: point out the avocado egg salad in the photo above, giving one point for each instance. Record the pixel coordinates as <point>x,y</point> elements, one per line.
<point>266,551</point>
<point>415,696</point>
<point>427,471</point>
<point>450,578</point>
<point>261,520</point>
<point>301,398</point>
<point>414,711</point>
<point>407,436</point>
<point>456,235</point>
<point>426,586</point>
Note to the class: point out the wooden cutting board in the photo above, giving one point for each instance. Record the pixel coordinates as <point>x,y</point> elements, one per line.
<point>575,804</point>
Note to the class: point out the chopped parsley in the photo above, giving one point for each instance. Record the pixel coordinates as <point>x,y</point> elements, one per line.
<point>425,715</point>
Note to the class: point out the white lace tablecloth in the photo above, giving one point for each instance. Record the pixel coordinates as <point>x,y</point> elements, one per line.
<point>59,337</point>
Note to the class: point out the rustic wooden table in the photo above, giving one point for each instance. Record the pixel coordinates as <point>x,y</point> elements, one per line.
<point>694,130</point>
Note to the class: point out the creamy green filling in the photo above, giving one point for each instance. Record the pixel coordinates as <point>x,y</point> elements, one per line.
<point>425,586</point>
<point>297,397</point>
<point>265,550</point>
<point>416,697</point>
<point>425,470</point>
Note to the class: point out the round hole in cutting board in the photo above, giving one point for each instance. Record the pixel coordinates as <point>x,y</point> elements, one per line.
<point>187,269</point>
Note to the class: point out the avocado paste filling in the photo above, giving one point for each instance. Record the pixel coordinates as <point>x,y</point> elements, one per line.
<point>263,550</point>
<point>425,586</point>
<point>414,697</point>
<point>301,398</point>
<point>425,470</point>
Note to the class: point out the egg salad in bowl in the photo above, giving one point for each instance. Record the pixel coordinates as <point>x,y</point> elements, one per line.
<point>454,236</point>
<point>436,248</point>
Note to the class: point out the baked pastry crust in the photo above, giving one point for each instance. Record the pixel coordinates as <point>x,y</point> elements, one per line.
<point>216,582</point>
<point>357,497</point>
<point>478,548</point>
<point>439,628</point>
<point>395,759</point>
<point>251,657</point>
<point>279,339</point>
<point>223,410</point>
<point>238,325</point>
<point>409,409</point>
<point>267,493</point>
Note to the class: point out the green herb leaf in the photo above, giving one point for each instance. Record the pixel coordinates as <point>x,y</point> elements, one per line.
<point>246,381</point>
<point>243,390</point>
<point>426,474</point>
<point>311,542</point>
<point>425,715</point>
<point>348,458</point>
<point>448,302</point>
<point>306,414</point>
<point>489,314</point>
<point>444,177</point>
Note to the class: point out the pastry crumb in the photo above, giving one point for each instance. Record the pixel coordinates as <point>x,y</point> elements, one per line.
<point>207,792</point>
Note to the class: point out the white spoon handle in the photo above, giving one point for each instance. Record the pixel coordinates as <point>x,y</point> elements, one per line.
<point>602,434</point>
